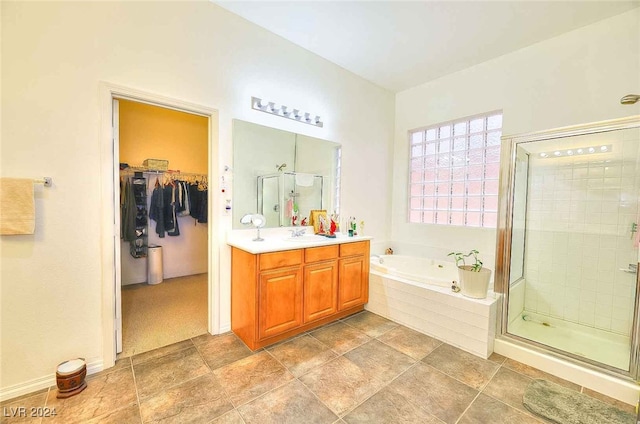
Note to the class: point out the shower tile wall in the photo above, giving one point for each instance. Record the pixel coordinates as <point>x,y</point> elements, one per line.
<point>580,214</point>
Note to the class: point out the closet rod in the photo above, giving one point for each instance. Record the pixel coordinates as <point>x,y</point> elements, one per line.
<point>176,173</point>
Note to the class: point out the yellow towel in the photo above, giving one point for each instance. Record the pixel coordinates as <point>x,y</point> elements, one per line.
<point>17,207</point>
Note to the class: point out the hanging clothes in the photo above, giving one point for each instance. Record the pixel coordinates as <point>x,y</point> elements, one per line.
<point>172,207</point>
<point>156,211</point>
<point>128,213</point>
<point>194,198</point>
<point>203,207</point>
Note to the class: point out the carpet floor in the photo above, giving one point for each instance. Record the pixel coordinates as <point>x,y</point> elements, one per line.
<point>159,315</point>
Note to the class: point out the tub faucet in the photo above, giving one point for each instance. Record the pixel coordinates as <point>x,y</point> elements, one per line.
<point>380,260</point>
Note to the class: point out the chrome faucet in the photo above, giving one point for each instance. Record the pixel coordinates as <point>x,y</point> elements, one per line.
<point>380,260</point>
<point>298,233</point>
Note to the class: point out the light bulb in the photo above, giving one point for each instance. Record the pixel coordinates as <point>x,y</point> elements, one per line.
<point>557,153</point>
<point>570,152</point>
<point>591,150</point>
<point>604,148</point>
<point>580,151</point>
<point>543,155</point>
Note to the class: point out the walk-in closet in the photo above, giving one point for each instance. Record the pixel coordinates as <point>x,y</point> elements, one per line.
<point>164,196</point>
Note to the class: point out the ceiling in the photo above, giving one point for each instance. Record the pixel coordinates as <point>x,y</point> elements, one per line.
<point>398,45</point>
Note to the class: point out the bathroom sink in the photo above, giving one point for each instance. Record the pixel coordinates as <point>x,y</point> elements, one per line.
<point>305,238</point>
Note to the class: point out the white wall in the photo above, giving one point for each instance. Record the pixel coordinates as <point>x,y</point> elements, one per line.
<point>575,78</point>
<point>53,57</point>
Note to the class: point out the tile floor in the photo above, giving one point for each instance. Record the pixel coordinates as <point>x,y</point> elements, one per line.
<point>362,369</point>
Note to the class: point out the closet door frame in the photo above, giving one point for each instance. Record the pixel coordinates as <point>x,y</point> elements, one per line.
<point>110,225</point>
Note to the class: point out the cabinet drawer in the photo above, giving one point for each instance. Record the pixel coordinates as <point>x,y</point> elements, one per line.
<point>280,259</point>
<point>356,248</point>
<point>316,254</point>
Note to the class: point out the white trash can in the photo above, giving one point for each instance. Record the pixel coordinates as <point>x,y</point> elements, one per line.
<point>154,265</point>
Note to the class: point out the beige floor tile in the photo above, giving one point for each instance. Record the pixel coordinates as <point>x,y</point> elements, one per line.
<point>381,361</point>
<point>611,401</point>
<point>205,337</point>
<point>497,358</point>
<point>536,373</point>
<point>302,354</point>
<point>292,403</point>
<point>434,392</point>
<point>103,395</point>
<point>222,350</point>
<point>156,353</point>
<point>371,324</point>
<point>388,407</point>
<point>340,337</point>
<point>251,377</point>
<point>168,370</point>
<point>119,364</point>
<point>508,386</point>
<point>231,417</point>
<point>410,342</point>
<point>485,409</point>
<point>464,366</point>
<point>341,384</point>
<point>197,401</point>
<point>19,409</point>
<point>126,415</point>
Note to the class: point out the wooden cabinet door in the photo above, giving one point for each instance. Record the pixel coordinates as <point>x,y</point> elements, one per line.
<point>353,287</point>
<point>280,301</point>
<point>320,290</point>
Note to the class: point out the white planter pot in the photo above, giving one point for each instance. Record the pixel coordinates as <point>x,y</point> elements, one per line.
<point>474,284</point>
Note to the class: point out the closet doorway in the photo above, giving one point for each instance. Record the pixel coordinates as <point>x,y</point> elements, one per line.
<point>164,239</point>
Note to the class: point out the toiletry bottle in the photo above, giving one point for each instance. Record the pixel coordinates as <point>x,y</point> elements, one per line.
<point>350,226</point>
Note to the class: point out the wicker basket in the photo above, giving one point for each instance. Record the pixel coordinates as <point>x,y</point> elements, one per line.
<point>156,164</point>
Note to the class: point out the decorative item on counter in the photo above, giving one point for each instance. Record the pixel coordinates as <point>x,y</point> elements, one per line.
<point>362,227</point>
<point>313,220</point>
<point>324,224</point>
<point>388,251</point>
<point>336,218</point>
<point>332,227</point>
<point>293,220</point>
<point>304,222</point>
<point>352,226</point>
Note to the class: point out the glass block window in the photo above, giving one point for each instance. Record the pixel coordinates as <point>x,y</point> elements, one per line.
<point>453,172</point>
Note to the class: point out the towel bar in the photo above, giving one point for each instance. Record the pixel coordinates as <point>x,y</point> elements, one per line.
<point>47,181</point>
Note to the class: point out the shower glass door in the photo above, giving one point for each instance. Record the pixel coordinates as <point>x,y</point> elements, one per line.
<point>573,220</point>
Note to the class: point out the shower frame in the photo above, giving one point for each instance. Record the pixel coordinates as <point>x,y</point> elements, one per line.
<point>509,144</point>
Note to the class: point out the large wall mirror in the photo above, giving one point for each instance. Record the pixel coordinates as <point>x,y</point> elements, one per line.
<point>282,175</point>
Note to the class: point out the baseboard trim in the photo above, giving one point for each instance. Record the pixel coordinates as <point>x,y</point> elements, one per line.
<point>40,383</point>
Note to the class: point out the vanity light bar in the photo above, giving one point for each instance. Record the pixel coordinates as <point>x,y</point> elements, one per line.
<point>285,112</point>
<point>580,151</point>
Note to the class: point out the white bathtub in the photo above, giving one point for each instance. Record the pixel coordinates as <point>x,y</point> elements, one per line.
<point>416,292</point>
<point>420,270</point>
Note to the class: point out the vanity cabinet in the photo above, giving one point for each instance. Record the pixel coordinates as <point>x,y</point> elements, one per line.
<point>279,301</point>
<point>320,282</point>
<point>354,274</point>
<point>279,294</point>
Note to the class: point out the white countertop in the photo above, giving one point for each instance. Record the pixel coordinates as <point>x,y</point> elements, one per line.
<point>279,239</point>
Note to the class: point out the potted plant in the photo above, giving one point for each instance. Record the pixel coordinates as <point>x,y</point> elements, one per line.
<point>474,279</point>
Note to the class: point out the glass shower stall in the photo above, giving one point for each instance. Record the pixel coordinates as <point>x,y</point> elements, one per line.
<point>568,243</point>
<point>281,194</point>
